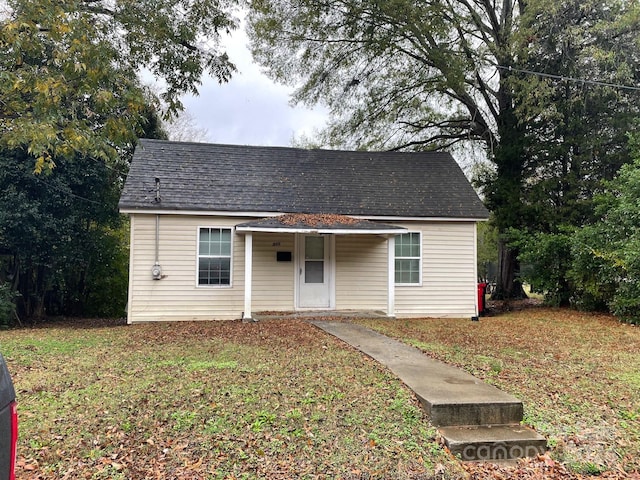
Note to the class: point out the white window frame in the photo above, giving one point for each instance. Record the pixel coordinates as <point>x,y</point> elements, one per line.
<point>419,258</point>
<point>198,256</point>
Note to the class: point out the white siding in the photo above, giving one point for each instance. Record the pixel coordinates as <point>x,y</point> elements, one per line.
<point>272,280</point>
<point>448,272</point>
<point>177,296</point>
<point>361,272</point>
<point>449,283</point>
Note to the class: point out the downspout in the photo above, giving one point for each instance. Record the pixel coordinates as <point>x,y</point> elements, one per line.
<point>477,312</point>
<point>157,240</point>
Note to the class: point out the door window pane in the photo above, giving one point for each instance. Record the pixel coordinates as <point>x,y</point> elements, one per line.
<point>314,248</point>
<point>314,271</point>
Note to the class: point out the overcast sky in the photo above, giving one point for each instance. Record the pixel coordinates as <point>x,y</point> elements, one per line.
<point>250,109</point>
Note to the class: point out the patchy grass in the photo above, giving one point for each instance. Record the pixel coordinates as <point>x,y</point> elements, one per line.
<point>578,375</point>
<point>279,399</point>
<point>219,400</point>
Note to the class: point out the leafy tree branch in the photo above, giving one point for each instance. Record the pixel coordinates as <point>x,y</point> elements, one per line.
<point>69,69</point>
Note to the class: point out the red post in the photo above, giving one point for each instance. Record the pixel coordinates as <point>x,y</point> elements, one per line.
<point>482,288</point>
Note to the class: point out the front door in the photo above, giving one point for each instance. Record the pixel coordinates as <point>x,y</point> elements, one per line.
<point>314,271</point>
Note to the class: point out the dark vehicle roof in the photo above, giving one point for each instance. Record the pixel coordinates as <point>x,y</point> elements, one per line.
<point>237,178</point>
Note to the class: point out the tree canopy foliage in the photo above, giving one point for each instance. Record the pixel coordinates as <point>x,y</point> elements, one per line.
<point>63,245</point>
<point>52,228</point>
<point>434,74</point>
<point>72,106</point>
<point>395,74</point>
<point>577,114</point>
<point>69,69</point>
<point>596,266</point>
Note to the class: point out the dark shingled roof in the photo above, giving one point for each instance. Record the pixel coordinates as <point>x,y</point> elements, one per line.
<point>234,178</point>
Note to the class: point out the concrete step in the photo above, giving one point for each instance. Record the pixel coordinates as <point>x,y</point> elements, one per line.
<point>472,412</point>
<point>493,442</point>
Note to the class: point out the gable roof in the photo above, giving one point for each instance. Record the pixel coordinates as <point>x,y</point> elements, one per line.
<point>234,178</point>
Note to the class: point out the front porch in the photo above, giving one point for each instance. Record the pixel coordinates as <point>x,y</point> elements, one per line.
<point>337,315</point>
<point>315,261</point>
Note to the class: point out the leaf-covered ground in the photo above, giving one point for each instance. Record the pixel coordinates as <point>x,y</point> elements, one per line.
<point>578,375</point>
<point>280,399</point>
<point>218,400</point>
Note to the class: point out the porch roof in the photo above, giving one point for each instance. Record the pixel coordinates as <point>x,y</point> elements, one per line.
<point>319,223</point>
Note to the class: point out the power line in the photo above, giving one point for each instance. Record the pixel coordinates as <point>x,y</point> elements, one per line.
<point>569,79</point>
<point>65,192</point>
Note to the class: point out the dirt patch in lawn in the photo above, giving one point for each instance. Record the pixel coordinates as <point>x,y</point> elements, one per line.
<point>500,307</point>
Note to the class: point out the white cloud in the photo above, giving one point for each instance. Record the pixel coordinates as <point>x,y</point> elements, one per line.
<point>250,109</point>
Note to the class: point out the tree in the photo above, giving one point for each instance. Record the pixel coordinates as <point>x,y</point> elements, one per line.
<point>606,253</point>
<point>68,69</point>
<point>548,258</point>
<point>62,242</point>
<point>50,228</point>
<point>433,74</point>
<point>487,252</point>
<point>185,128</point>
<point>596,266</point>
<point>577,129</point>
<point>72,105</point>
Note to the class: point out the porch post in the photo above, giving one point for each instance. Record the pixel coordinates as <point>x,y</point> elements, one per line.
<point>391,278</point>
<point>248,275</point>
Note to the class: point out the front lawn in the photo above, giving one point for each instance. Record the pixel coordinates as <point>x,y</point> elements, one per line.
<point>218,400</point>
<point>280,399</point>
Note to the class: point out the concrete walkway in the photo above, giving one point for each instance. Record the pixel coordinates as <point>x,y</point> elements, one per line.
<point>474,418</point>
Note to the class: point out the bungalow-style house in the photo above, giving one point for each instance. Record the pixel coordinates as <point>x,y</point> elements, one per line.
<point>223,231</point>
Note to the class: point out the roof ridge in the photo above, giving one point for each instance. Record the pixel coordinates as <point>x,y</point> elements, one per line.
<point>300,149</point>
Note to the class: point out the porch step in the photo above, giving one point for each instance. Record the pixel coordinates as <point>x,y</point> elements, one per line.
<point>334,315</point>
<point>493,442</point>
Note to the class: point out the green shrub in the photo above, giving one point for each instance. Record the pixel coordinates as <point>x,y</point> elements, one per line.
<point>593,272</point>
<point>597,266</point>
<point>606,255</point>
<point>548,260</point>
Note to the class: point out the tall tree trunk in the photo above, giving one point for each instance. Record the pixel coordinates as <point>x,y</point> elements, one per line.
<point>38,310</point>
<point>505,197</point>
<point>31,285</point>
<point>508,285</point>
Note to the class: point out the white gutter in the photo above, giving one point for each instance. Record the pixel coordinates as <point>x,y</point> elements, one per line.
<point>248,214</point>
